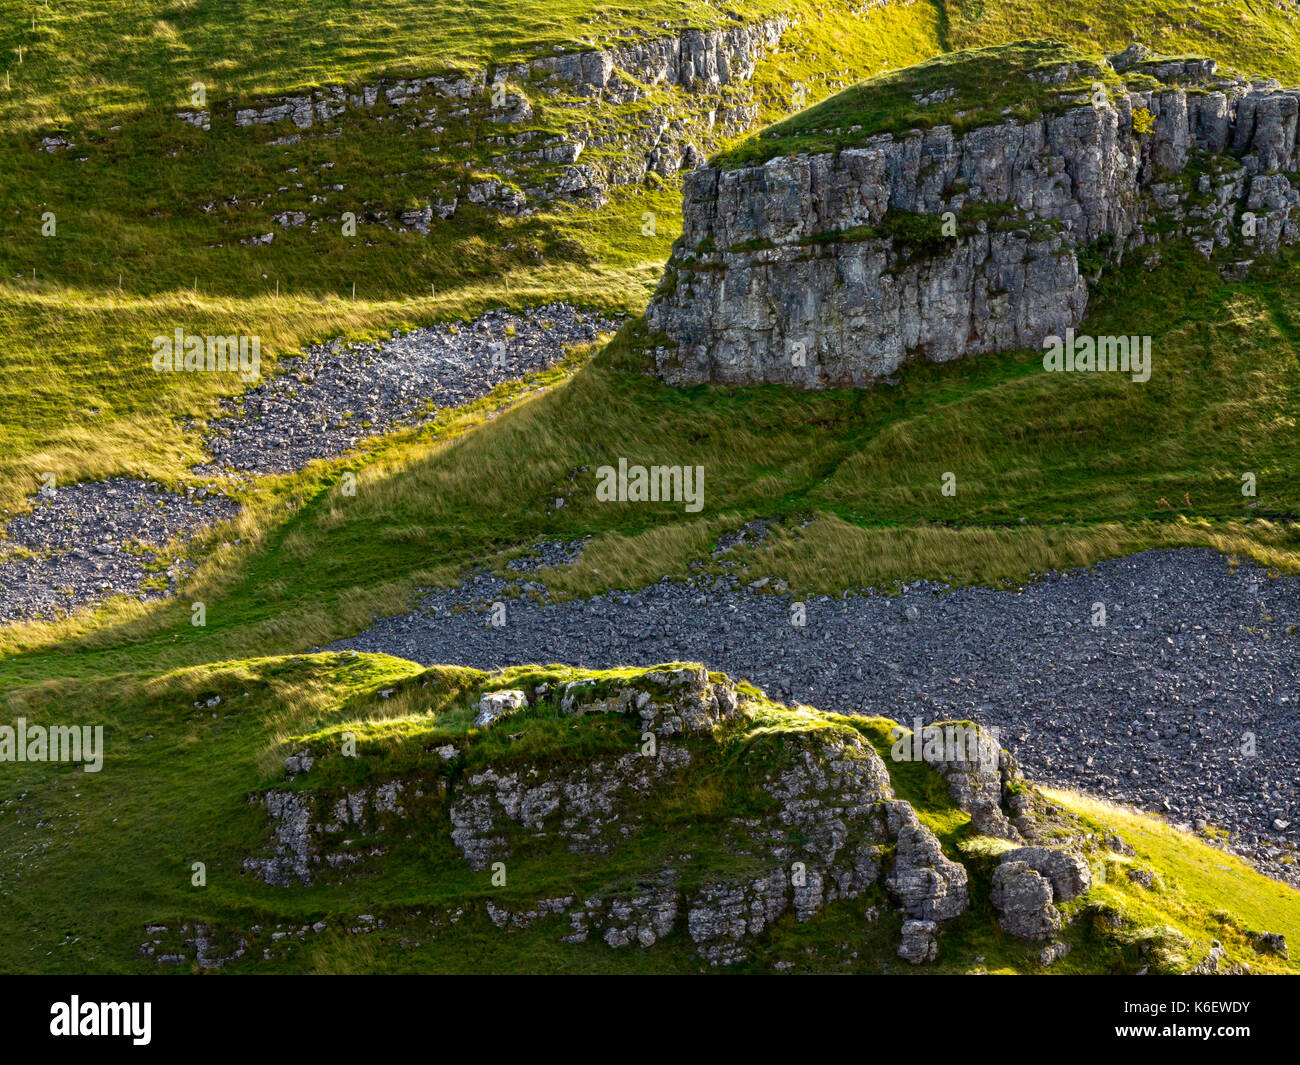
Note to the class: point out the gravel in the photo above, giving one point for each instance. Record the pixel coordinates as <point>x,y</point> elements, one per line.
<point>323,402</point>
<point>1154,709</point>
<point>89,541</point>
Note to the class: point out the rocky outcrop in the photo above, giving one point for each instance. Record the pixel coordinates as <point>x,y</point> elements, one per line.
<point>493,706</point>
<point>526,167</point>
<point>820,825</point>
<point>1069,875</point>
<point>928,885</point>
<point>1029,882</point>
<point>978,772</point>
<point>588,808</point>
<point>808,269</point>
<point>700,60</point>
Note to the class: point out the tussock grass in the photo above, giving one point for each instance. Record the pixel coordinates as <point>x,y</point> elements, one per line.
<point>828,555</point>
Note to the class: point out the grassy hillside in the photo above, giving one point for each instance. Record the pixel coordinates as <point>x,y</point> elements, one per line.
<point>149,212</point>
<point>1255,38</point>
<point>141,56</point>
<point>964,90</point>
<point>1051,472</point>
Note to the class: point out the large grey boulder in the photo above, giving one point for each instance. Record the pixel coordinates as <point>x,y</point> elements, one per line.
<point>1069,875</point>
<point>918,944</point>
<point>1023,899</point>
<point>1028,883</point>
<point>493,706</point>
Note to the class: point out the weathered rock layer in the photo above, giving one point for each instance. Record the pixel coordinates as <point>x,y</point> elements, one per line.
<point>796,271</point>
<point>524,164</point>
<point>832,828</point>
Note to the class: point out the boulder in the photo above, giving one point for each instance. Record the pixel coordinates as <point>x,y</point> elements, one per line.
<point>493,706</point>
<point>1069,875</point>
<point>1023,899</point>
<point>918,944</point>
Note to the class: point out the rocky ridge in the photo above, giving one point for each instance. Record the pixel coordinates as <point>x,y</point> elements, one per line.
<point>835,830</point>
<point>805,270</point>
<point>527,166</point>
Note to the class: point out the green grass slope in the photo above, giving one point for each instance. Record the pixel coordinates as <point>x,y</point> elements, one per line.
<point>1051,470</point>
<point>149,212</point>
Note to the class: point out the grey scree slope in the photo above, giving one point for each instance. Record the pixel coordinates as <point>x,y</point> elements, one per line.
<point>90,541</point>
<point>1151,710</point>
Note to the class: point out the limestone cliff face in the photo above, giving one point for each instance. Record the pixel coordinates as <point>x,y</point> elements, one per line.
<point>694,59</point>
<point>795,271</point>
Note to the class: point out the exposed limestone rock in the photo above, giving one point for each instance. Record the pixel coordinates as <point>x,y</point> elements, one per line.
<point>1271,943</point>
<point>831,800</point>
<point>1027,884</point>
<point>1116,844</point>
<point>918,944</point>
<point>504,918</point>
<point>702,60</point>
<point>830,830</point>
<point>589,808</point>
<point>493,706</point>
<point>788,272</point>
<point>291,824</point>
<point>1213,963</point>
<point>297,763</point>
<point>725,914</point>
<point>1069,875</point>
<point>977,771</point>
<point>1053,952</point>
<point>704,68</point>
<point>491,192</point>
<point>1023,899</point>
<point>202,944</point>
<point>302,820</point>
<point>642,918</point>
<point>669,702</point>
<point>927,884</point>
